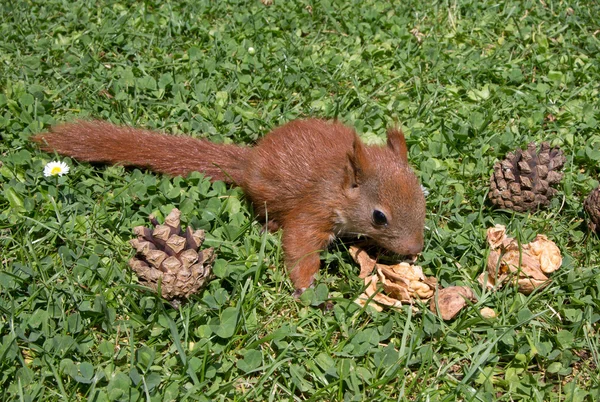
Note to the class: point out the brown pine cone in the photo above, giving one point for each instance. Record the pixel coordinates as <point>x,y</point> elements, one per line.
<point>172,258</point>
<point>592,207</point>
<point>522,181</point>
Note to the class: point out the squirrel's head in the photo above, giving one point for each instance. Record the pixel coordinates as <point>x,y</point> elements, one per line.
<point>385,201</point>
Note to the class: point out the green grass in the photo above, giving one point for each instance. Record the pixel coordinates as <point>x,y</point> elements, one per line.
<point>469,81</point>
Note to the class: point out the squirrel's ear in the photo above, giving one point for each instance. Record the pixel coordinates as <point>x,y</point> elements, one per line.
<point>397,143</point>
<point>358,164</point>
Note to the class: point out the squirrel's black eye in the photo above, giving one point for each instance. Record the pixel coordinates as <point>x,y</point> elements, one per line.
<point>379,218</point>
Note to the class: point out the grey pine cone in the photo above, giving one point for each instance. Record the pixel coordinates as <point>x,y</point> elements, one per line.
<point>171,257</point>
<point>592,207</point>
<point>523,181</point>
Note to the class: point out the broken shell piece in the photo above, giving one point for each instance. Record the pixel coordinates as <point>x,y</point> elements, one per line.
<point>409,277</point>
<point>547,253</point>
<point>512,266</point>
<point>366,263</point>
<point>422,289</point>
<point>402,283</point>
<point>363,301</point>
<point>449,301</point>
<point>525,266</point>
<point>496,236</point>
<point>372,292</point>
<point>397,291</point>
<point>513,262</point>
<point>487,312</point>
<point>408,271</point>
<point>528,285</point>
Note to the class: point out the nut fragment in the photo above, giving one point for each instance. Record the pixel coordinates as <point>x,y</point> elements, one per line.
<point>449,301</point>
<point>362,258</point>
<point>487,312</point>
<point>371,292</point>
<point>496,236</point>
<point>524,265</point>
<point>547,253</point>
<point>403,284</point>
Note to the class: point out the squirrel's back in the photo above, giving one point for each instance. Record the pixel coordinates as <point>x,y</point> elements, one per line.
<point>300,153</point>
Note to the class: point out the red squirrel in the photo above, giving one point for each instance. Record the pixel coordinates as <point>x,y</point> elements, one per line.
<point>313,178</point>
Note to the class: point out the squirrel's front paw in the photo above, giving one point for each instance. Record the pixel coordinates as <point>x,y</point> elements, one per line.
<point>298,292</point>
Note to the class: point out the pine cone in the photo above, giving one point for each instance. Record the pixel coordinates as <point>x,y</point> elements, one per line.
<point>592,207</point>
<point>166,255</point>
<point>522,181</point>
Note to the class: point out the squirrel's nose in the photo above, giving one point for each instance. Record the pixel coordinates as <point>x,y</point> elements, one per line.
<point>412,249</point>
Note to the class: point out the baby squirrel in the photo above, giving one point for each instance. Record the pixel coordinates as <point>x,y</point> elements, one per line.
<point>316,180</point>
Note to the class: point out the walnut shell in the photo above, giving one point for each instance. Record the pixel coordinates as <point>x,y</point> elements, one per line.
<point>524,265</point>
<point>449,301</point>
<point>402,282</point>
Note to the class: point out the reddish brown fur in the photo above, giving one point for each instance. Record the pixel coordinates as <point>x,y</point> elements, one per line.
<point>99,141</point>
<point>313,178</point>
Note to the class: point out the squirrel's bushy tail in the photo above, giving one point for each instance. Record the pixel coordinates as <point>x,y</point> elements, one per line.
<point>98,141</point>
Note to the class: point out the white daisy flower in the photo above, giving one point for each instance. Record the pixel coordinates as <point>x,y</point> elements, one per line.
<point>56,168</point>
<point>425,190</point>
